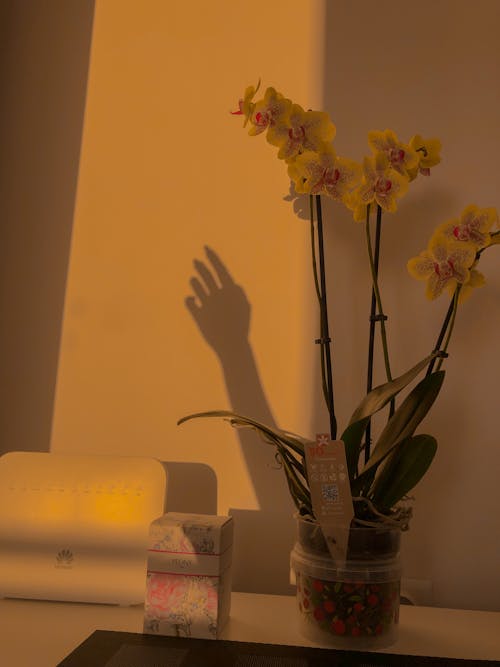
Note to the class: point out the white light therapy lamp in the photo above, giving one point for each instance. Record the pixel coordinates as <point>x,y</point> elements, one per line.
<point>76,527</point>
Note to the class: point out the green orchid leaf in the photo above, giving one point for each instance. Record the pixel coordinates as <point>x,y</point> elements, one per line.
<point>381,395</point>
<point>363,483</point>
<point>294,442</point>
<point>408,416</point>
<point>352,438</point>
<point>384,472</point>
<point>401,425</point>
<point>299,492</point>
<point>288,447</point>
<point>403,470</point>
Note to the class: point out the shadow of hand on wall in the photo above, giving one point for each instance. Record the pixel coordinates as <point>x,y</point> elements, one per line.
<point>222,313</point>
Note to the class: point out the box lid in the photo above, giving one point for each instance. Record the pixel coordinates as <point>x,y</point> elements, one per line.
<point>178,532</point>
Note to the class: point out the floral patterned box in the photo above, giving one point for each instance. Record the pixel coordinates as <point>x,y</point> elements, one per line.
<point>188,586</point>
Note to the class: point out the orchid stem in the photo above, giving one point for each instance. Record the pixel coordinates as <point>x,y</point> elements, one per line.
<point>453,316</point>
<point>325,336</point>
<point>442,333</point>
<point>313,249</point>
<point>376,304</point>
<point>318,294</point>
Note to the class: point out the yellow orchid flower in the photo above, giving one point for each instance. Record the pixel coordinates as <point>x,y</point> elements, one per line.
<point>269,111</point>
<point>324,173</point>
<point>246,105</point>
<point>445,263</point>
<point>473,226</point>
<point>381,185</point>
<point>429,155</point>
<point>301,131</point>
<point>402,157</point>
<point>476,279</point>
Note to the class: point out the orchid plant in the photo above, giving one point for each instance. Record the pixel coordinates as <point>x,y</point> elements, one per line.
<point>384,471</point>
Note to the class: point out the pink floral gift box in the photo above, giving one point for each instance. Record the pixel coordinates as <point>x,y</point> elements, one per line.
<point>188,586</point>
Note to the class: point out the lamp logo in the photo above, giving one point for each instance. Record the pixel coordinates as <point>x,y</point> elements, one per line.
<point>64,559</point>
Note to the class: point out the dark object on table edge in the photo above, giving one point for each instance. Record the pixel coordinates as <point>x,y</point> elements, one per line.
<point>126,649</point>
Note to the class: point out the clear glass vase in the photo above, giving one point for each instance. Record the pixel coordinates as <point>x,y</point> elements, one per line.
<point>352,604</point>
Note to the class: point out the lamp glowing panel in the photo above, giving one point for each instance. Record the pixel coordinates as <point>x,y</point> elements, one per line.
<point>76,527</point>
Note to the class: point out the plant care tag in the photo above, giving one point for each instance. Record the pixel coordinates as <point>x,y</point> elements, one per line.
<point>330,492</point>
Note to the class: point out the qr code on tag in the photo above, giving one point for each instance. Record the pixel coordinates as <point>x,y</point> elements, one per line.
<point>330,492</point>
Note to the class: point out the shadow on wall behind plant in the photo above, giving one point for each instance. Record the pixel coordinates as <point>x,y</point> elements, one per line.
<point>181,479</point>
<point>222,312</point>
<point>299,202</point>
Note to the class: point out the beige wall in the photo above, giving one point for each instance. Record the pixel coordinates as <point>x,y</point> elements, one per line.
<point>431,68</point>
<point>43,75</point>
<point>164,170</point>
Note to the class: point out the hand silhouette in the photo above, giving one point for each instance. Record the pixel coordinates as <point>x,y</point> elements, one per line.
<point>221,310</point>
<point>220,307</point>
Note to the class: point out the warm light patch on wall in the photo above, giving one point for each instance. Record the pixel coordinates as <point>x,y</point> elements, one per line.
<point>166,170</point>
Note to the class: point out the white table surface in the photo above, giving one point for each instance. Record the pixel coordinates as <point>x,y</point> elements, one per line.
<point>41,634</point>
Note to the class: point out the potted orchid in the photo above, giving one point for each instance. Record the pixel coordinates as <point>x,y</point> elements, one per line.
<point>381,470</point>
